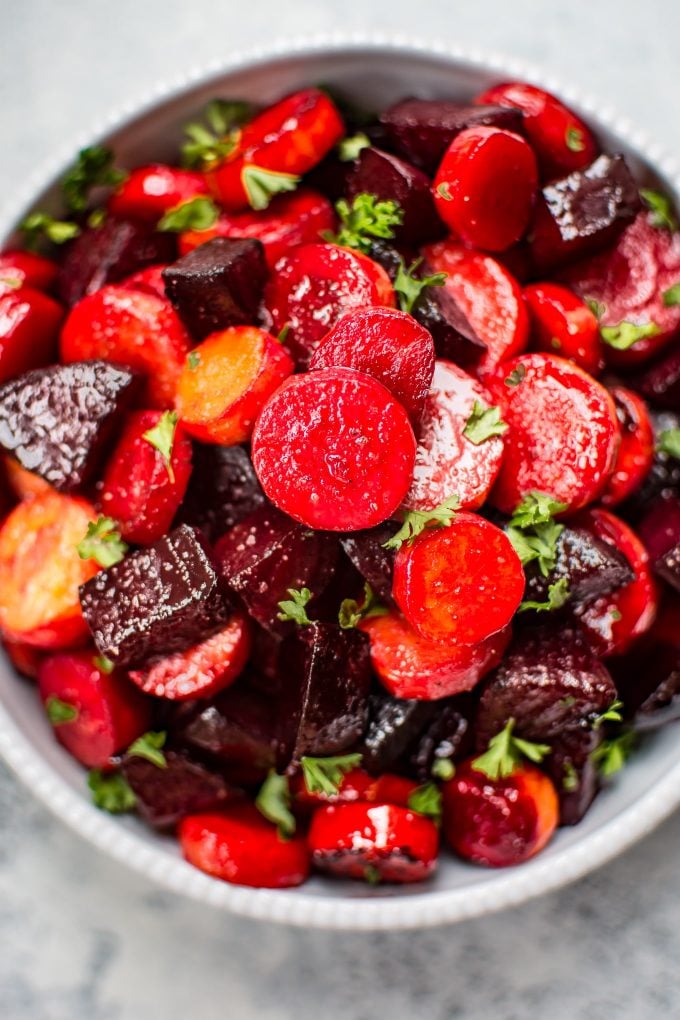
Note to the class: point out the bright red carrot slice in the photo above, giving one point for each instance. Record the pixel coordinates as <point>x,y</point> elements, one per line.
<point>563,324</point>
<point>635,454</point>
<point>150,191</point>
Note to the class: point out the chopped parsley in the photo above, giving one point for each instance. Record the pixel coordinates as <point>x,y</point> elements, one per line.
<point>350,147</point>
<point>558,595</point>
<point>149,746</point>
<point>196,214</point>
<point>671,297</point>
<point>408,287</point>
<point>273,801</point>
<point>261,185</point>
<point>484,423</point>
<point>506,752</point>
<point>669,442</point>
<point>427,800</point>
<point>662,214</point>
<point>416,521</point>
<point>624,335</point>
<point>60,712</point>
<point>93,168</point>
<point>325,775</point>
<point>351,612</point>
<point>365,219</point>
<point>516,376</point>
<point>208,145</point>
<point>294,608</point>
<point>162,438</point>
<point>102,543</point>
<point>111,792</point>
<point>40,224</point>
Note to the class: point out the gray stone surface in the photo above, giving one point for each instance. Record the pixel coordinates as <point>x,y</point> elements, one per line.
<point>83,939</point>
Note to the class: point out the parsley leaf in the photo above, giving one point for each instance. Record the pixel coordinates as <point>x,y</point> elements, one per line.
<point>574,139</point>
<point>193,360</point>
<point>365,219</point>
<point>352,613</point>
<point>535,508</point>
<point>273,801</point>
<point>372,875</point>
<point>103,664</point>
<point>539,543</point>
<point>415,522</point>
<point>162,437</point>
<point>39,224</point>
<point>13,282</point>
<point>443,768</point>
<point>93,168</point>
<point>350,147</point>
<point>196,214</point>
<point>209,145</point>
<point>484,423</point>
<point>427,800</point>
<point>444,192</point>
<point>598,308</point>
<point>612,714</point>
<point>408,287</point>
<point>558,594</point>
<point>506,752</point>
<point>261,185</point>
<point>625,334</point>
<point>294,607</point>
<point>102,543</point>
<point>149,746</point>
<point>612,755</point>
<point>111,792</point>
<point>60,712</point>
<point>516,376</point>
<point>662,214</point>
<point>570,778</point>
<point>669,442</point>
<point>324,775</point>
<point>671,297</point>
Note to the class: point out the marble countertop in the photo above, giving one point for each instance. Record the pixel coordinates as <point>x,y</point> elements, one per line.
<point>82,938</point>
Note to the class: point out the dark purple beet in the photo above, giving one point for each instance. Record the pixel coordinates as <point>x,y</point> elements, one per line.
<point>58,421</point>
<point>648,682</point>
<point>157,600</point>
<point>374,563</point>
<point>549,681</point>
<point>421,130</point>
<point>223,489</point>
<point>660,383</point>
<point>218,285</point>
<point>446,736</point>
<point>166,795</point>
<point>323,708</point>
<point>583,213</point>
<point>659,529</point>
<point>394,724</point>
<point>663,479</point>
<point>388,177</point>
<point>109,253</point>
<point>238,729</point>
<point>436,310</point>
<point>268,553</point>
<point>590,567</point>
<point>575,775</point>
<point>329,176</point>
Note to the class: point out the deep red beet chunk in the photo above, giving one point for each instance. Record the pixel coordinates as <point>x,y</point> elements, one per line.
<point>660,383</point>
<point>390,178</point>
<point>394,724</point>
<point>572,769</point>
<point>590,567</point>
<point>223,489</point>
<point>659,529</point>
<point>366,550</point>
<point>447,737</point>
<point>181,787</point>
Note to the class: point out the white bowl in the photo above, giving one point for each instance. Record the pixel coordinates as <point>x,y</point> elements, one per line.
<point>374,73</point>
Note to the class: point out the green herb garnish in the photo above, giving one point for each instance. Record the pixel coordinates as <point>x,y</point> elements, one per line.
<point>208,145</point>
<point>612,754</point>
<point>506,752</point>
<point>111,792</point>
<point>443,768</point>
<point>103,664</point>
<point>162,438</point>
<point>612,714</point>
<point>408,287</point>
<point>351,612</point>
<point>661,210</point>
<point>261,185</point>
<point>416,521</point>
<point>669,442</point>
<point>149,746</point>
<point>60,712</point>
<point>484,423</point>
<point>364,220</point>
<point>558,594</point>
<point>39,224</point>
<point>574,139</point>
<point>570,779</point>
<point>427,800</point>
<point>196,214</point>
<point>102,543</point>
<point>325,775</point>
<point>294,607</point>
<point>516,376</point>
<point>671,297</point>
<point>623,336</point>
<point>273,801</point>
<point>349,148</point>
<point>93,169</point>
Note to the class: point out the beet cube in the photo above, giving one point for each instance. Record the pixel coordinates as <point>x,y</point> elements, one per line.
<point>183,787</point>
<point>268,553</point>
<point>589,566</point>
<point>663,478</point>
<point>324,703</point>
<point>223,489</point>
<point>659,529</point>
<point>421,130</point>
<point>583,212</point>
<point>660,383</point>
<point>446,736</point>
<point>394,724</point>
<point>157,600</point>
<point>375,563</point>
<point>390,178</point>
<point>648,681</point>
<point>218,285</point>
<point>58,421</point>
<point>549,681</point>
<point>109,253</point>
<point>574,773</point>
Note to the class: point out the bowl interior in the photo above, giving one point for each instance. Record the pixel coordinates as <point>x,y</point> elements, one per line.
<point>371,77</point>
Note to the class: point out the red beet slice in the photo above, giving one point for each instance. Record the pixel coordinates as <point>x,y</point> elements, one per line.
<point>217,285</point>
<point>386,344</point>
<point>447,461</point>
<point>58,421</point>
<point>660,531</point>
<point>268,553</point>
<point>421,130</point>
<point>390,178</point>
<point>635,454</point>
<point>563,432</point>
<point>109,712</point>
<point>223,489</point>
<point>157,600</point>
<point>182,787</point>
<point>459,583</point>
<point>334,450</point>
<point>29,327</point>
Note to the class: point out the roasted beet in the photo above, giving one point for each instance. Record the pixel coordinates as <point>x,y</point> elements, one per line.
<point>659,529</point>
<point>573,771</point>
<point>660,383</point>
<point>422,129</point>
<point>218,285</point>
<point>58,421</point>
<point>648,681</point>
<point>549,682</point>
<point>375,563</point>
<point>323,709</point>
<point>394,725</point>
<point>445,737</point>
<point>583,212</point>
<point>157,600</point>
<point>390,178</point>
<point>223,489</point>
<point>182,787</point>
<point>664,477</point>
<point>109,253</point>
<point>268,553</point>
<point>590,567</point>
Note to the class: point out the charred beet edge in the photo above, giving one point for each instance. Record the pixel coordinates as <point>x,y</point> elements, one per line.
<point>549,681</point>
<point>394,724</point>
<point>58,421</point>
<point>324,704</point>
<point>421,130</point>
<point>589,566</point>
<point>448,736</point>
<point>218,285</point>
<point>223,489</point>
<point>574,773</point>
<point>157,600</point>
<point>182,787</point>
<point>583,212</point>
<point>108,254</point>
